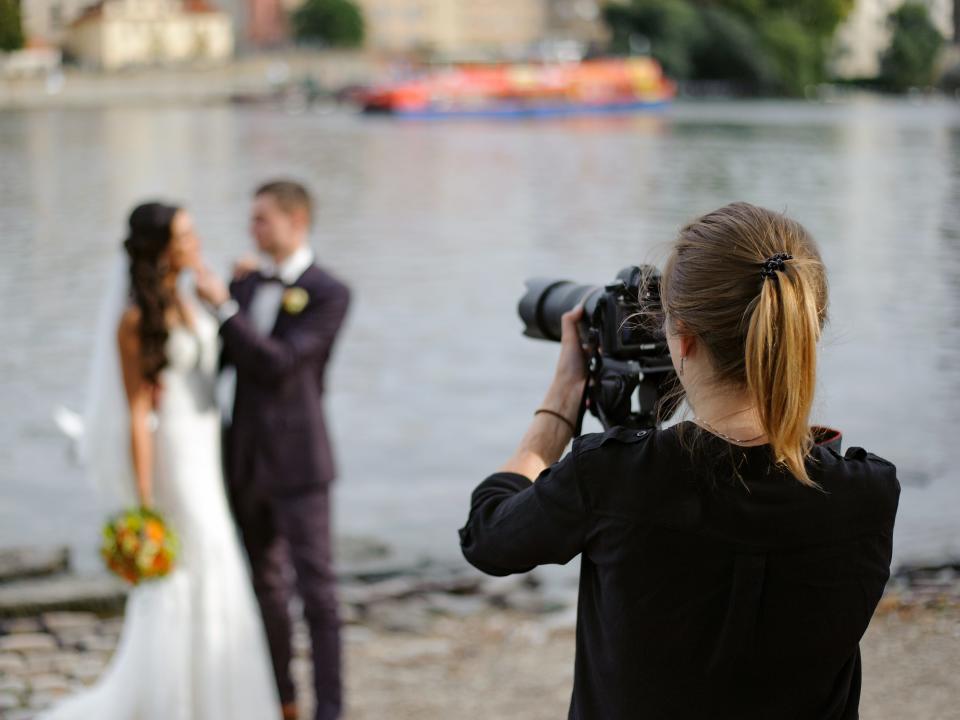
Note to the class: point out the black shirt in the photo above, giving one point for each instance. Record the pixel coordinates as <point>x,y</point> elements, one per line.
<point>712,583</point>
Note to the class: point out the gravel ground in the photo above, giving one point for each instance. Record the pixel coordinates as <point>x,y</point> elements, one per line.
<point>910,663</point>
<point>508,666</point>
<point>474,662</point>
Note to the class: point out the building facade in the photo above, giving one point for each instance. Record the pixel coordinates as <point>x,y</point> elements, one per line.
<point>113,34</point>
<point>45,22</point>
<point>265,24</point>
<point>238,10</point>
<point>447,27</point>
<point>865,34</point>
<point>577,20</point>
<point>461,28</point>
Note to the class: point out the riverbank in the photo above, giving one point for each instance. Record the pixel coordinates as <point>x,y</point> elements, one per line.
<point>435,641</point>
<point>290,77</point>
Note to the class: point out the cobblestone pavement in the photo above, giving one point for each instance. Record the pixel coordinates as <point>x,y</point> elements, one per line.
<point>411,661</point>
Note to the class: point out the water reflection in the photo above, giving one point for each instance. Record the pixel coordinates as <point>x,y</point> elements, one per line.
<point>437,225</point>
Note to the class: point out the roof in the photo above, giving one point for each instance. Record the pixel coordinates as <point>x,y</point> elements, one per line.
<point>193,7</point>
<point>200,6</point>
<point>91,12</point>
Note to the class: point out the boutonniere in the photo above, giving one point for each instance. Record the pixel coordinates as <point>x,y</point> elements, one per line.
<point>295,300</point>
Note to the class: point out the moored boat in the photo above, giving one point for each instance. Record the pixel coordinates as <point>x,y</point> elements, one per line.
<point>608,85</point>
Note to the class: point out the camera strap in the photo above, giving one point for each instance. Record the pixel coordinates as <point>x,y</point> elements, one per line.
<point>578,426</point>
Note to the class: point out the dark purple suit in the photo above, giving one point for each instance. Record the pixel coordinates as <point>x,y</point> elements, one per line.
<point>279,465</point>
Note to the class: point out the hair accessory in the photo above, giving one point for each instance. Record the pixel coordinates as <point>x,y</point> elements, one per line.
<point>774,264</point>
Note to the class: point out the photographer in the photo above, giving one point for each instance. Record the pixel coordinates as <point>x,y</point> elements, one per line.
<point>729,565</point>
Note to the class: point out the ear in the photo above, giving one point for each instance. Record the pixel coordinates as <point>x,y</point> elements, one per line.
<point>301,218</point>
<point>687,340</point>
<point>688,345</point>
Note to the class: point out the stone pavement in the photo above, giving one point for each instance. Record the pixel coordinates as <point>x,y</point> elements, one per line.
<point>50,655</point>
<point>456,645</point>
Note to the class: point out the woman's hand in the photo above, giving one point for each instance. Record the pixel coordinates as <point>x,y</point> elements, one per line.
<point>245,265</point>
<point>548,435</point>
<point>145,498</point>
<point>210,288</point>
<point>572,365</point>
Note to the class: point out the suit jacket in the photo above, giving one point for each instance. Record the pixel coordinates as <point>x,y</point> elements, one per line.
<point>278,438</point>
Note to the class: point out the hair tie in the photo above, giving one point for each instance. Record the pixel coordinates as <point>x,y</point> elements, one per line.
<point>774,264</point>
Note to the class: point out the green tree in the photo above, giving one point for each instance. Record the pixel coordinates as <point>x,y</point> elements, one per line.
<point>770,46</point>
<point>11,27</point>
<point>818,17</point>
<point>797,57</point>
<point>733,50</point>
<point>671,28</point>
<point>336,23</point>
<point>915,43</point>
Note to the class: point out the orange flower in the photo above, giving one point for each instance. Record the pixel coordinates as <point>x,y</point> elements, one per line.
<point>155,531</point>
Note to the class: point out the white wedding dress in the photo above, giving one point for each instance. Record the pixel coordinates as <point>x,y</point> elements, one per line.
<point>192,646</point>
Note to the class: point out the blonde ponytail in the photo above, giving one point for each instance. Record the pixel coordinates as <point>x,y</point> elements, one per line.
<point>781,364</point>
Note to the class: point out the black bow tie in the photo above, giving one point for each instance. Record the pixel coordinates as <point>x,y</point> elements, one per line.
<point>264,278</point>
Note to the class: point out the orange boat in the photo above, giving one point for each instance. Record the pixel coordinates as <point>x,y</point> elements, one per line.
<point>530,90</point>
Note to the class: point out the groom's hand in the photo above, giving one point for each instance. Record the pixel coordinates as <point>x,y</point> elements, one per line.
<point>211,288</point>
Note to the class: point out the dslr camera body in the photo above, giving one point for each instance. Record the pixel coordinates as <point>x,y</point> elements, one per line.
<point>629,362</point>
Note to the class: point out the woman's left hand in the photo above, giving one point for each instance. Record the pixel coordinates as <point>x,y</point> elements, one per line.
<point>572,364</point>
<point>548,435</point>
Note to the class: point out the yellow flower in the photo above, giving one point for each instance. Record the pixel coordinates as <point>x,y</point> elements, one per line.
<point>295,300</point>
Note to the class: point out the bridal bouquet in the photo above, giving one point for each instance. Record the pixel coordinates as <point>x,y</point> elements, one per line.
<point>138,545</point>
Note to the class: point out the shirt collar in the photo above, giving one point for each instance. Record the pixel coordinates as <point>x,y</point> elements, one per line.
<point>290,270</point>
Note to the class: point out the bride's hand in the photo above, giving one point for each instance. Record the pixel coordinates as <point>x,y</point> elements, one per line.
<point>156,393</point>
<point>146,500</point>
<point>211,288</point>
<point>245,265</point>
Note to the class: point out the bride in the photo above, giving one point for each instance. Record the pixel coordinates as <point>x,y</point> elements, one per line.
<point>192,645</point>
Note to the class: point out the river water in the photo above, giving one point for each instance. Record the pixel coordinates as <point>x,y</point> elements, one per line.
<point>436,226</point>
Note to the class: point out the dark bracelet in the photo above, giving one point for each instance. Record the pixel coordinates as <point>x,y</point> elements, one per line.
<point>558,416</point>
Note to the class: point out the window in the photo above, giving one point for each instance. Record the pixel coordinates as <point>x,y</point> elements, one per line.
<point>56,16</point>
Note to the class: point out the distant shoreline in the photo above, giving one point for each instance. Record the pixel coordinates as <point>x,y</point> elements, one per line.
<point>246,79</point>
<point>284,77</point>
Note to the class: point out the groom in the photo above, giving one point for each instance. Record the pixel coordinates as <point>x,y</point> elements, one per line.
<point>278,327</point>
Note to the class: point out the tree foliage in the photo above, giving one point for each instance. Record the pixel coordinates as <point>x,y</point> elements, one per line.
<point>768,46</point>
<point>335,23</point>
<point>910,60</point>
<point>673,29</point>
<point>11,27</point>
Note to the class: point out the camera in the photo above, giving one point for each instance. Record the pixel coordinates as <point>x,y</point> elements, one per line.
<point>622,330</point>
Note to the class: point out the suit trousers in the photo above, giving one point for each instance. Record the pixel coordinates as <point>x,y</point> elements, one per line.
<point>295,532</point>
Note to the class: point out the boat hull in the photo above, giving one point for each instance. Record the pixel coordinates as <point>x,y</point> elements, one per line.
<point>520,111</point>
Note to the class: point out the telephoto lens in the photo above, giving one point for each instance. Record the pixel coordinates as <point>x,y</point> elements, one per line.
<point>547,299</point>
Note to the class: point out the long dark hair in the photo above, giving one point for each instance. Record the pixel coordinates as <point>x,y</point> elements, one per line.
<point>149,237</point>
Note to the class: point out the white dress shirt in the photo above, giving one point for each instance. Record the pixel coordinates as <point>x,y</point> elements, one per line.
<point>264,309</point>
<point>265,305</point>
